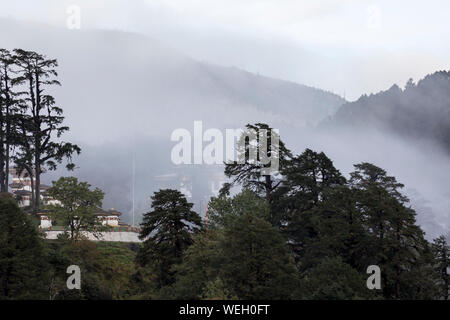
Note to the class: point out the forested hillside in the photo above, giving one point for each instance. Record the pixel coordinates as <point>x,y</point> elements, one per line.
<point>124,81</point>
<point>420,111</point>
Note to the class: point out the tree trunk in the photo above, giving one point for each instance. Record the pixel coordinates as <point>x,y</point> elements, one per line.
<point>7,167</point>
<point>37,144</point>
<point>37,189</point>
<point>444,272</point>
<point>268,186</point>
<point>32,189</point>
<point>8,145</point>
<point>3,173</point>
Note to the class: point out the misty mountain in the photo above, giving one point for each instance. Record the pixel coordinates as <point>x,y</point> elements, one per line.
<point>407,132</point>
<point>118,84</point>
<point>419,111</point>
<point>123,94</point>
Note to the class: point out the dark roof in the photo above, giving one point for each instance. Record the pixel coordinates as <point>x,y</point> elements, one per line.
<point>99,212</point>
<point>22,192</point>
<point>110,212</point>
<point>113,212</point>
<point>16,185</point>
<point>43,212</point>
<point>15,171</point>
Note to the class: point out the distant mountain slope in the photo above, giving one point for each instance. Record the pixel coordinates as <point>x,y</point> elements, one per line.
<point>420,111</point>
<point>123,94</point>
<point>117,84</point>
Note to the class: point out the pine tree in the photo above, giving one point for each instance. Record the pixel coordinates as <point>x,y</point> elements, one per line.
<point>242,257</point>
<point>340,229</point>
<point>441,253</point>
<point>223,209</point>
<point>248,259</point>
<point>397,244</point>
<point>167,232</point>
<point>307,177</point>
<point>256,146</point>
<point>23,268</point>
<point>40,125</point>
<point>256,261</point>
<point>333,279</point>
<point>201,264</point>
<point>8,110</point>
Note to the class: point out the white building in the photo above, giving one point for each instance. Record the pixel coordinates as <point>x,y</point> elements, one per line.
<point>109,217</point>
<point>21,188</point>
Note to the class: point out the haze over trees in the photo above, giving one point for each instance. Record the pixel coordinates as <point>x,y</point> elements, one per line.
<point>330,229</point>
<point>306,232</point>
<point>223,97</point>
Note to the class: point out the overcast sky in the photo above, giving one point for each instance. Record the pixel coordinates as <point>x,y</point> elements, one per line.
<point>349,47</point>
